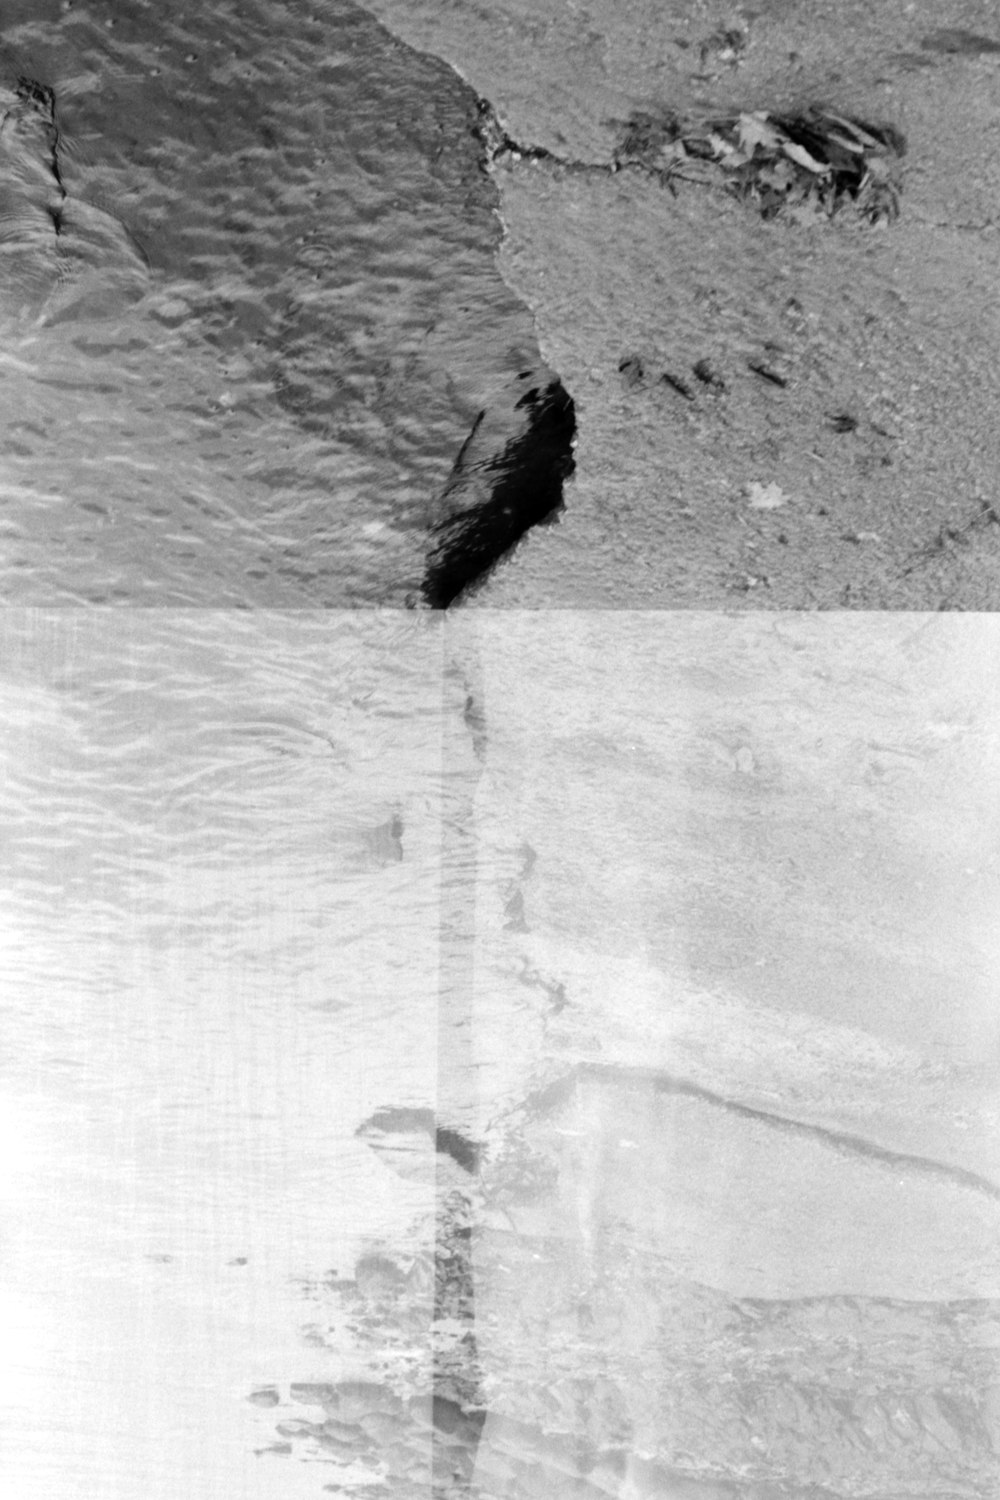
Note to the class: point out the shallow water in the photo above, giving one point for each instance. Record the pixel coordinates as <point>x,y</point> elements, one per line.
<point>241,373</point>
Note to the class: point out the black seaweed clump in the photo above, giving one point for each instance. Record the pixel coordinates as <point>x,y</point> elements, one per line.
<point>492,499</point>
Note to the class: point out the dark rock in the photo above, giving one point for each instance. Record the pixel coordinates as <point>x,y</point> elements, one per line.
<point>496,494</point>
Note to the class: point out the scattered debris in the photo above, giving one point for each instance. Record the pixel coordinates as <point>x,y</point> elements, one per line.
<point>635,372</point>
<point>808,163</point>
<point>647,138</point>
<point>632,370</point>
<point>948,536</point>
<point>815,160</point>
<point>765,496</point>
<point>766,373</point>
<point>676,383</point>
<point>953,39</point>
<point>726,45</point>
<point>708,375</point>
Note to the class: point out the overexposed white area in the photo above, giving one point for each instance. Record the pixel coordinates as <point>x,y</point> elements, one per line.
<point>796,810</point>
<point>760,854</point>
<point>220,955</point>
<point>265,874</point>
